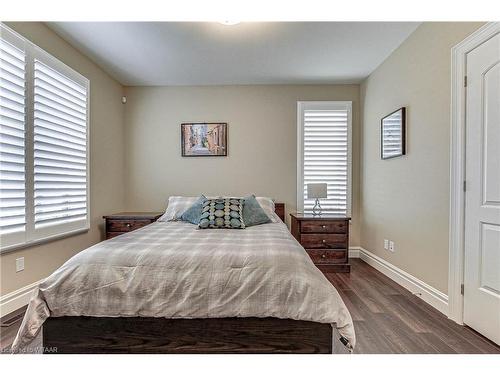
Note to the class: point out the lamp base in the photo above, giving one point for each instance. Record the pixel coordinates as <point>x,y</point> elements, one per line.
<point>317,208</point>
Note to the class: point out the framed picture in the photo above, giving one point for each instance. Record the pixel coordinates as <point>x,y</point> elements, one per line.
<point>393,134</point>
<point>204,139</point>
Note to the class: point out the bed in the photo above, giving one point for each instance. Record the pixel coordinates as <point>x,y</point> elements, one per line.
<point>172,288</point>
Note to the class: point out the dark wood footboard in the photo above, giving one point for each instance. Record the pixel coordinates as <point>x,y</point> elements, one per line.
<point>185,336</point>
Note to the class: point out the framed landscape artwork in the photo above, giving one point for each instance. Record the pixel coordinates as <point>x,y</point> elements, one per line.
<point>393,134</point>
<point>204,139</point>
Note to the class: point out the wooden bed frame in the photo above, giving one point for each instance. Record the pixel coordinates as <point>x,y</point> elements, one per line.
<point>80,334</point>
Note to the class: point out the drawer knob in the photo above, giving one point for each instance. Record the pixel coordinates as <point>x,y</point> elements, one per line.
<point>324,241</point>
<point>323,255</point>
<point>323,226</point>
<point>128,225</point>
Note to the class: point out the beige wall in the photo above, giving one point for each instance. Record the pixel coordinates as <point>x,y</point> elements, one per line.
<point>106,158</point>
<point>407,199</point>
<point>262,142</point>
<point>403,199</point>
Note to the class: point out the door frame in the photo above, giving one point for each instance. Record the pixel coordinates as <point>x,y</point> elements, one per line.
<point>457,167</point>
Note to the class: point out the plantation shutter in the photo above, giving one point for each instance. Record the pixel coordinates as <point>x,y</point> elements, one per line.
<point>12,138</point>
<point>44,165</point>
<point>60,148</point>
<point>325,154</point>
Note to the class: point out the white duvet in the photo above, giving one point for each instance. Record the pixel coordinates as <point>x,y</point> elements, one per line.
<point>174,270</point>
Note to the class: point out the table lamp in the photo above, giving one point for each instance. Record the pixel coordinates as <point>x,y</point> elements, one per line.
<point>317,191</point>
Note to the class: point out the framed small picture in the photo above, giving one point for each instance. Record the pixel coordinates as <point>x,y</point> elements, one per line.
<point>204,139</point>
<point>393,134</point>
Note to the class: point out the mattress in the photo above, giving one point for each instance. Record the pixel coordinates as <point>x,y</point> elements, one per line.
<point>175,270</point>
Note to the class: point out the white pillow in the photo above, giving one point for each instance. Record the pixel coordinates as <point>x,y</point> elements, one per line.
<point>267,205</point>
<point>176,207</point>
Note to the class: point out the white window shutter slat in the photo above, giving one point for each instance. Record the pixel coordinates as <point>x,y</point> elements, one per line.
<point>60,148</point>
<point>12,139</point>
<point>43,145</point>
<point>324,136</point>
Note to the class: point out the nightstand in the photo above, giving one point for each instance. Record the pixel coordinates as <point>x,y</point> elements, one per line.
<point>325,238</point>
<point>125,222</point>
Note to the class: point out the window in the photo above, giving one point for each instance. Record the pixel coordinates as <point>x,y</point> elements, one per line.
<point>324,154</point>
<point>43,145</point>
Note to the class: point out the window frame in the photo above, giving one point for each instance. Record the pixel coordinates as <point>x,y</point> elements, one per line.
<point>322,105</point>
<point>32,236</point>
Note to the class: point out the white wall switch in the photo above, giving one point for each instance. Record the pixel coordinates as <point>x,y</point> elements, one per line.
<point>391,246</point>
<point>386,244</point>
<point>19,264</point>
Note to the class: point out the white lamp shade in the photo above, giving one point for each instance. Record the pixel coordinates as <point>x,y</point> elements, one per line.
<point>316,191</point>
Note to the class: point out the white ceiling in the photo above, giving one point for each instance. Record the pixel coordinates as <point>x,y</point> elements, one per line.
<point>187,53</point>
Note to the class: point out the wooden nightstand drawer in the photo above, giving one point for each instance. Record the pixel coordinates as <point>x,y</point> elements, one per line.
<point>126,225</point>
<point>125,222</point>
<point>328,256</point>
<point>324,226</point>
<point>325,238</point>
<point>323,241</point>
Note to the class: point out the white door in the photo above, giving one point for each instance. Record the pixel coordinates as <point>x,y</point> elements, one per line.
<point>482,199</point>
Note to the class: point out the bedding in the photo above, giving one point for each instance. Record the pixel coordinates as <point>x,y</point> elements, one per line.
<point>222,213</point>
<point>253,213</point>
<point>176,206</point>
<point>175,270</point>
<point>193,213</point>
<point>267,205</point>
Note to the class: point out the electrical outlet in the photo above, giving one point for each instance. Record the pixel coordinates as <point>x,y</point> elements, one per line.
<point>386,244</point>
<point>391,246</point>
<point>19,264</point>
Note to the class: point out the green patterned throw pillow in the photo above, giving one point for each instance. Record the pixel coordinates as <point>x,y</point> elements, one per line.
<point>222,213</point>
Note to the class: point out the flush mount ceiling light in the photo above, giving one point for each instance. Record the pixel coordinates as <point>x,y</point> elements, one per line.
<point>229,22</point>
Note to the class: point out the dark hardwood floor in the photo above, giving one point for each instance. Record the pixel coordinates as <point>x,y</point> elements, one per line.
<point>387,318</point>
<point>8,328</point>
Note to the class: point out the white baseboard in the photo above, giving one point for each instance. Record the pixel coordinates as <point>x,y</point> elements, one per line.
<point>429,294</point>
<point>354,251</point>
<point>17,299</point>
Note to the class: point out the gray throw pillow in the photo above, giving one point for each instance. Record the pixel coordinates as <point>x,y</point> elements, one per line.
<point>222,213</point>
<point>193,213</point>
<point>253,213</point>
